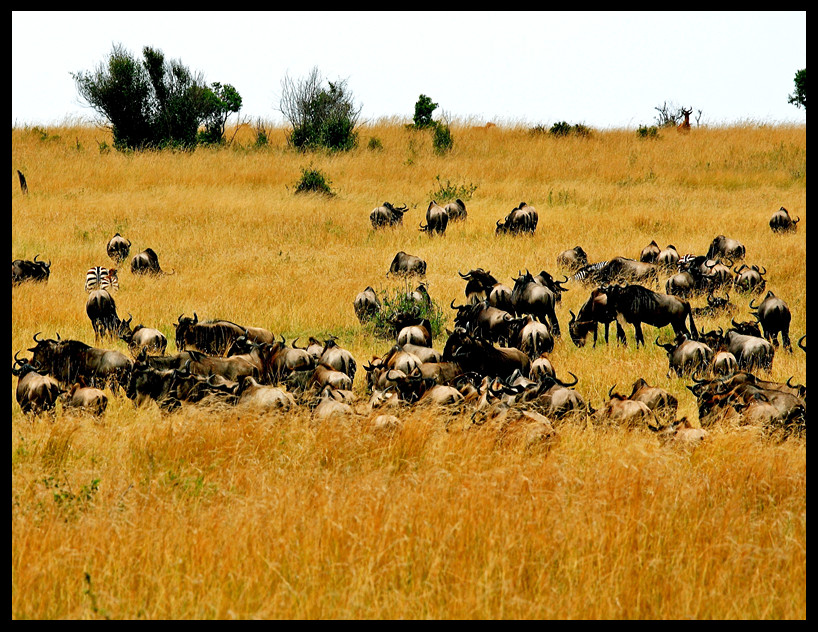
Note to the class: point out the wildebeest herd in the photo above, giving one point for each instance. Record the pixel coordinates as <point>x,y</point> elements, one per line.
<point>496,359</point>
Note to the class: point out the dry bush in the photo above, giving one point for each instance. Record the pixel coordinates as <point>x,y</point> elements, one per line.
<point>222,514</point>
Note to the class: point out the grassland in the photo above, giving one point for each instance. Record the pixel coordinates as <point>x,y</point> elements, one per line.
<point>206,514</point>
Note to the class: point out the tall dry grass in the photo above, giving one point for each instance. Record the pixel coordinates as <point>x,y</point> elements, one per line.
<point>219,514</point>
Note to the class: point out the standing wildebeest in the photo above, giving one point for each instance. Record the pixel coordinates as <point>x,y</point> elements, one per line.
<point>23,270</point>
<point>366,304</point>
<point>773,315</point>
<point>573,259</point>
<point>437,219</point>
<point>529,297</point>
<point>668,258</point>
<point>636,305</point>
<point>456,210</point>
<point>118,248</point>
<point>725,247</point>
<point>781,222</point>
<point>404,265</point>
<point>213,337</point>
<point>650,252</point>
<point>146,262</point>
<point>101,310</point>
<point>750,351</point>
<point>35,393</point>
<point>387,215</point>
<point>520,220</point>
<point>686,356</point>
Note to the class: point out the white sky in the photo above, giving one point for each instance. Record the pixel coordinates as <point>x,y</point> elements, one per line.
<point>602,69</point>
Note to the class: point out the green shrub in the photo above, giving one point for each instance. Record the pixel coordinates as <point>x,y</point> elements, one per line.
<point>560,129</point>
<point>423,112</point>
<point>643,131</point>
<point>375,144</point>
<point>449,192</point>
<point>442,140</point>
<point>313,181</point>
<point>400,302</point>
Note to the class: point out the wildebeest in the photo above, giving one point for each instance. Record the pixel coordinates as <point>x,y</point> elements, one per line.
<point>437,219</point>
<point>668,258</point>
<point>482,357</point>
<point>686,356</point>
<point>636,304</point>
<point>147,262</point>
<point>101,310</point>
<point>36,393</point>
<point>387,215</point>
<point>141,337</point>
<point>213,337</point>
<point>680,433</point>
<point>521,220</point>
<point>595,310</point>
<point>405,265</point>
<point>774,316</point>
<point>750,279</point>
<point>483,319</point>
<point>456,210</point>
<point>650,252</point>
<point>573,259</point>
<point>23,270</point>
<point>415,331</point>
<point>251,393</point>
<point>557,287</point>
<point>781,222</point>
<point>663,403</point>
<point>88,399</point>
<point>366,304</point>
<point>531,337</point>
<point>529,297</point>
<point>72,361</point>
<point>623,411</point>
<point>620,270</point>
<point>722,246</point>
<point>118,248</point>
<point>750,351</point>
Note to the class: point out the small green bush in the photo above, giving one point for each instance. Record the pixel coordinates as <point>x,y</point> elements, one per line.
<point>560,129</point>
<point>449,192</point>
<point>423,112</point>
<point>313,181</point>
<point>643,131</point>
<point>442,141</point>
<point>375,144</point>
<point>399,302</point>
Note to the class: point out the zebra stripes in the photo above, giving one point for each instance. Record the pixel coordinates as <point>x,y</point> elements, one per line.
<point>588,271</point>
<point>100,278</point>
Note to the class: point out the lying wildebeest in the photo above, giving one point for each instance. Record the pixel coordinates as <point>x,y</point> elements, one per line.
<point>663,403</point>
<point>725,247</point>
<point>36,393</point>
<point>405,265</point>
<point>626,412</point>
<point>573,259</point>
<point>781,222</point>
<point>636,304</point>
<point>750,279</point>
<point>774,316</point>
<point>141,337</point>
<point>437,219</point>
<point>118,248</point>
<point>87,399</point>
<point>387,215</point>
<point>147,262</point>
<point>23,270</point>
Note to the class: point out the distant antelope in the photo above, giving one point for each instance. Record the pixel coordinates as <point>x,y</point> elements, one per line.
<point>685,125</point>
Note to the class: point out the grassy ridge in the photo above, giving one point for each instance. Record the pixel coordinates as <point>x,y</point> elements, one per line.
<point>202,515</point>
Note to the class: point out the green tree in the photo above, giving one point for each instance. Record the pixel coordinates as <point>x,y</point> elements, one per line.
<point>799,98</point>
<point>423,112</point>
<point>321,115</point>
<point>220,102</point>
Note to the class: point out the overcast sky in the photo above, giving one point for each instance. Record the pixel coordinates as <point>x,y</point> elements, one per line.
<point>602,69</point>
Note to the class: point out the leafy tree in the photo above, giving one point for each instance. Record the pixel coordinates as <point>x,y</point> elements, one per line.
<point>321,115</point>
<point>154,102</point>
<point>799,98</point>
<point>423,112</point>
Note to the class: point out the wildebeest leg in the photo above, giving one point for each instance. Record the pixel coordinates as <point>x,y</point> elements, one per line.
<point>620,332</point>
<point>785,339</point>
<point>555,325</point>
<point>637,330</point>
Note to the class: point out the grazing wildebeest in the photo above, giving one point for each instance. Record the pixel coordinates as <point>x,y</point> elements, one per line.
<point>118,248</point>
<point>437,219</point>
<point>147,262</point>
<point>774,316</point>
<point>101,310</point>
<point>366,304</point>
<point>594,311</point>
<point>36,393</point>
<point>405,265</point>
<point>213,337</point>
<point>484,320</point>
<point>141,337</point>
<point>531,337</point>
<point>668,258</point>
<point>521,220</point>
<point>23,270</point>
<point>725,247</point>
<point>686,356</point>
<point>636,304</point>
<point>781,222</point>
<point>750,280</point>
<point>456,210</point>
<point>750,351</point>
<point>387,215</point>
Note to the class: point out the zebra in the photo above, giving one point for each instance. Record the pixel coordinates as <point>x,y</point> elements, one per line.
<point>100,278</point>
<point>587,273</point>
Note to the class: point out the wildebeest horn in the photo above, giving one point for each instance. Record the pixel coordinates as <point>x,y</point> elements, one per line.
<point>610,391</point>
<point>463,276</point>
<point>760,272</point>
<point>741,267</point>
<point>788,381</point>
<point>296,347</point>
<point>573,316</point>
<point>455,307</point>
<point>561,383</point>
<point>35,336</point>
<point>751,304</point>
<point>195,318</point>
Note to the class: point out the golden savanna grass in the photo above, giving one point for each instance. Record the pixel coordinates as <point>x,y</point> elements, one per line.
<point>228,514</point>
